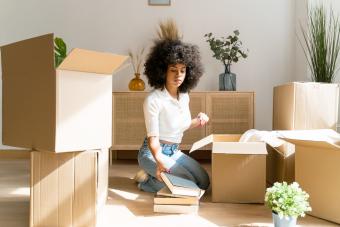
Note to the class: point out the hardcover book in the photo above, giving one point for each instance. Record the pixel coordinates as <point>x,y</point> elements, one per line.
<point>180,186</point>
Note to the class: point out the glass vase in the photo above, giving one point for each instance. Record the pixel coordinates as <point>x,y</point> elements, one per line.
<point>227,82</point>
<point>137,84</point>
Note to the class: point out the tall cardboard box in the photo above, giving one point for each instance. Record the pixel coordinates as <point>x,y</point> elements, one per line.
<point>68,189</point>
<point>238,168</point>
<point>64,109</point>
<point>281,163</point>
<point>317,169</point>
<point>305,105</point>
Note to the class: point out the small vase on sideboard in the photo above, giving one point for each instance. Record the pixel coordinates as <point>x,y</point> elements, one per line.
<point>137,84</point>
<point>227,80</point>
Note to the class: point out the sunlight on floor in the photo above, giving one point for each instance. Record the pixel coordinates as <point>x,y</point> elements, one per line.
<point>124,194</point>
<point>126,218</point>
<point>256,225</point>
<point>121,212</point>
<point>175,220</point>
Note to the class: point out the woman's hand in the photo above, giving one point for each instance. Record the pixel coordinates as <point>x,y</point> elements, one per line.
<point>160,168</point>
<point>199,121</point>
<point>202,119</point>
<point>156,150</point>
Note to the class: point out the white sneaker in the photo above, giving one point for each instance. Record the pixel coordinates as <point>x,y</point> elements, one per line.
<point>141,176</point>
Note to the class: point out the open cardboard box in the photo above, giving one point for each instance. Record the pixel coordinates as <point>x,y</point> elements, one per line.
<point>238,168</point>
<point>68,189</point>
<point>280,157</point>
<point>61,110</point>
<point>317,158</point>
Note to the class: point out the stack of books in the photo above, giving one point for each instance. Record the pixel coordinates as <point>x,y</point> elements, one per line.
<point>179,196</point>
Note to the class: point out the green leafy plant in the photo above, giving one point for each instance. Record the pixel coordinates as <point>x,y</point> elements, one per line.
<point>287,200</point>
<point>322,43</point>
<point>228,50</point>
<point>59,51</point>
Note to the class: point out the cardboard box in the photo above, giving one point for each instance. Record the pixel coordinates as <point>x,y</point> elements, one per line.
<point>68,189</point>
<point>62,110</point>
<point>238,168</point>
<point>317,169</point>
<point>305,105</point>
<point>281,163</point>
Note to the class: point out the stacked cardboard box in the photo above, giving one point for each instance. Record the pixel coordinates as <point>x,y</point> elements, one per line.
<point>299,106</point>
<point>65,116</point>
<point>68,189</point>
<point>238,168</point>
<point>305,105</point>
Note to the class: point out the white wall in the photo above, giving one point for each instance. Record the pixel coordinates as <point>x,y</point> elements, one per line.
<point>267,29</point>
<point>301,65</point>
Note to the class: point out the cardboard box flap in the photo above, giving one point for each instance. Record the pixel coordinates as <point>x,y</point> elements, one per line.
<point>286,149</point>
<point>214,138</point>
<point>201,143</point>
<point>310,143</point>
<point>28,92</point>
<point>228,144</point>
<point>239,148</point>
<point>92,61</point>
<point>31,54</point>
<point>48,38</point>
<point>325,138</point>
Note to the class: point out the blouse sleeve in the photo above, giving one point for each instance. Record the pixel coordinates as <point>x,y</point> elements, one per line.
<point>151,110</point>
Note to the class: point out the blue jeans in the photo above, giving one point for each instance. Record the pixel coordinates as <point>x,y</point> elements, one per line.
<point>176,162</point>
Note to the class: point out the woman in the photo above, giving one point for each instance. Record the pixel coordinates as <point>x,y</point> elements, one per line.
<point>173,68</point>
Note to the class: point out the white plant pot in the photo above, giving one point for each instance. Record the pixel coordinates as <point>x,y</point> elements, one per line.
<point>283,222</point>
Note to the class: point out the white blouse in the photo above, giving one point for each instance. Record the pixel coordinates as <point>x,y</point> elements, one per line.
<point>165,116</point>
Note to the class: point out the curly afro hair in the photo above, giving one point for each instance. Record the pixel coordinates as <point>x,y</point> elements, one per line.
<point>167,52</point>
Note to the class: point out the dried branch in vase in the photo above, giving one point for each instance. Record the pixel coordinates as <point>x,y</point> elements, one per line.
<point>137,60</point>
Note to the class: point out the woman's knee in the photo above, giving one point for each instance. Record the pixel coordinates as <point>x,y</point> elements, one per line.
<point>180,171</point>
<point>204,182</point>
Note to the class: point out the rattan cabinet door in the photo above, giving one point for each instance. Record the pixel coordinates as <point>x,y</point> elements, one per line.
<point>230,112</point>
<point>197,104</point>
<point>128,129</point>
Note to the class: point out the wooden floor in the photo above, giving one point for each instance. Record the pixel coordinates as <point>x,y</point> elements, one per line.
<point>127,206</point>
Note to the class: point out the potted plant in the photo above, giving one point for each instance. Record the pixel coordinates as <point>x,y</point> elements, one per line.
<point>287,202</point>
<point>228,50</point>
<point>322,43</point>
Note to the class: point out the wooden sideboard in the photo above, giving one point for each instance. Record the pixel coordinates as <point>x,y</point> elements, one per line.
<point>229,112</point>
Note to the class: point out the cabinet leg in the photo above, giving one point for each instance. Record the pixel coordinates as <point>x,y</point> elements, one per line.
<point>110,157</point>
<point>113,155</point>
